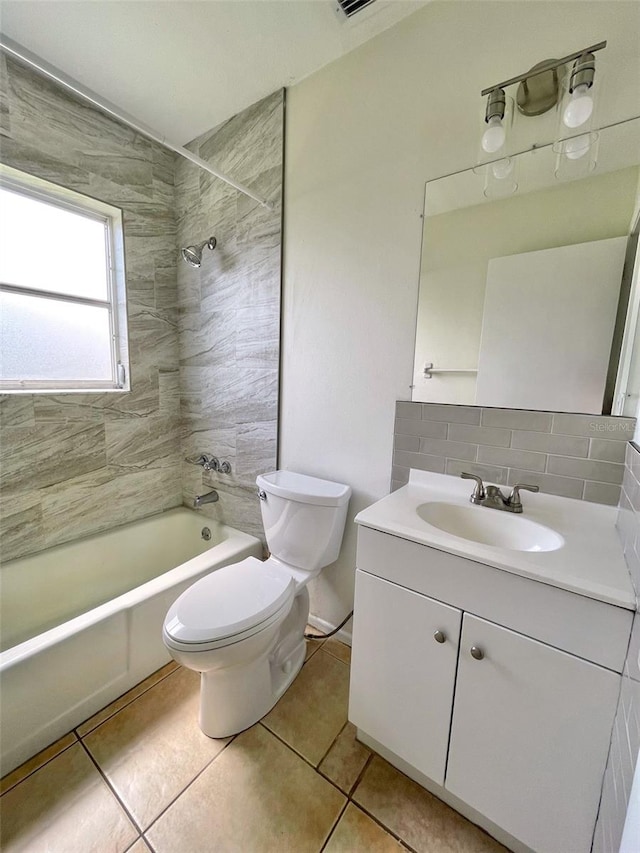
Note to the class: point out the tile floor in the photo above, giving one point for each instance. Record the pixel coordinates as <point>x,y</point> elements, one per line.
<point>140,776</point>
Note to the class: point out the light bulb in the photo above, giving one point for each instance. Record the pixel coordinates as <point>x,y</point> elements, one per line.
<point>579,108</point>
<point>577,146</point>
<point>502,168</point>
<point>494,136</point>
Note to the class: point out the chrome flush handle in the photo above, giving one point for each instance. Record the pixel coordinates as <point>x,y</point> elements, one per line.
<point>262,494</point>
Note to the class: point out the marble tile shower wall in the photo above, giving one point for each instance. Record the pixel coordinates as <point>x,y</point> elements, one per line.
<point>229,325</point>
<point>78,463</point>
<point>625,739</point>
<point>576,456</point>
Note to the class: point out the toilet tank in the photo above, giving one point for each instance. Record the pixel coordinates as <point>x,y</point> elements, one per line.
<point>303,518</point>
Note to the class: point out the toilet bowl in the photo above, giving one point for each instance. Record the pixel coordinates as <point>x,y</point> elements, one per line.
<point>242,626</point>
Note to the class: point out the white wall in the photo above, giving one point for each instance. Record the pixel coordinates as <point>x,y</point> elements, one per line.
<point>363,135</point>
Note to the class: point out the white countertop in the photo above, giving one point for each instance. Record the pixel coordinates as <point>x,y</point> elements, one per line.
<point>590,562</point>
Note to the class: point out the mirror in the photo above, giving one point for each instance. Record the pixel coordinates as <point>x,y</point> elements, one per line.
<point>526,301</point>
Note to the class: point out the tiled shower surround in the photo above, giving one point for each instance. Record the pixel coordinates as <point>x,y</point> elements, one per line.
<point>75,464</point>
<point>625,739</point>
<point>576,456</point>
<point>230,310</point>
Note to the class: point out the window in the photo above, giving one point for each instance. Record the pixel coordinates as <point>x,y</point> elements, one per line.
<point>62,289</point>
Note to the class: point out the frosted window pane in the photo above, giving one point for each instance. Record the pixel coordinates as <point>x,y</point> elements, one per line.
<point>49,248</point>
<point>52,339</point>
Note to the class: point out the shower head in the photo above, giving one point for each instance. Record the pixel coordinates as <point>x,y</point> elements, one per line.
<point>193,254</point>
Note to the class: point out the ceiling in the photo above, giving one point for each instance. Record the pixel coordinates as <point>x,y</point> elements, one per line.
<point>182,67</point>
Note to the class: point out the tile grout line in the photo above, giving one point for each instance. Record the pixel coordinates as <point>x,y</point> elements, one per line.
<point>148,843</point>
<point>331,747</point>
<point>334,826</point>
<point>77,735</point>
<point>329,652</point>
<point>299,755</point>
<point>40,766</point>
<point>111,788</point>
<point>389,831</point>
<point>133,843</point>
<point>126,705</point>
<point>188,785</point>
<point>360,775</point>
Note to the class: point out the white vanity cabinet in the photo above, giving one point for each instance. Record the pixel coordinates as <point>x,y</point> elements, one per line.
<point>499,690</point>
<point>402,683</point>
<point>530,736</point>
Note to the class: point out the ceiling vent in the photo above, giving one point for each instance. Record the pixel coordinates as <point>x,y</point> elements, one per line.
<point>351,7</point>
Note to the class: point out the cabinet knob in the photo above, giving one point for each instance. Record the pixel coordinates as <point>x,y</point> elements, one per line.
<point>439,637</point>
<point>476,653</point>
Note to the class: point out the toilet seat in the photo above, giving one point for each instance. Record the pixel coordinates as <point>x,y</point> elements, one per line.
<point>229,605</point>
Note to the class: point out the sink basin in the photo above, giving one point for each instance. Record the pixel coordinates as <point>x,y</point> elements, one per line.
<point>490,526</point>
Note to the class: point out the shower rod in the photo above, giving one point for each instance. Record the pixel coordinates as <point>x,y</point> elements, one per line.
<point>45,69</point>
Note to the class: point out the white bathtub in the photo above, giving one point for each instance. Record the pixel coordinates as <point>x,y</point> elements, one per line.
<point>81,623</point>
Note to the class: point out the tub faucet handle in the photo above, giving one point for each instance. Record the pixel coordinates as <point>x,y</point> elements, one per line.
<point>207,462</point>
<point>210,463</point>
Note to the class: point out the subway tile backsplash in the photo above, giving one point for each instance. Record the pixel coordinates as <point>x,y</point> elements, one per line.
<point>625,738</point>
<point>575,456</point>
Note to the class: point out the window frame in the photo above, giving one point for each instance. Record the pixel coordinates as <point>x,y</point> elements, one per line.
<point>38,189</point>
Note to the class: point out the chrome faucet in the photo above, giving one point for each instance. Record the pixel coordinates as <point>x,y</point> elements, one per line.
<point>209,498</point>
<point>492,496</point>
<point>210,463</point>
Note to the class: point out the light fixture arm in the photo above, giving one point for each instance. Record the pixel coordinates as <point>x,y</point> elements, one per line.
<point>556,64</point>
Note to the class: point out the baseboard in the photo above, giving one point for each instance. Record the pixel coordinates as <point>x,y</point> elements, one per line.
<point>344,634</point>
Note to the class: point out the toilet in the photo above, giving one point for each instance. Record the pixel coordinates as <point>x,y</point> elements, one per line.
<point>242,626</point>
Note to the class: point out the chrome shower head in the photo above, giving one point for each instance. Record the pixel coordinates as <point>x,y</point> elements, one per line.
<point>193,254</point>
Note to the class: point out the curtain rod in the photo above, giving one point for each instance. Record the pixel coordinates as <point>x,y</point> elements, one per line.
<point>44,68</point>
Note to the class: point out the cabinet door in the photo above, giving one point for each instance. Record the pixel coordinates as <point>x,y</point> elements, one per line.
<point>530,736</point>
<point>401,677</point>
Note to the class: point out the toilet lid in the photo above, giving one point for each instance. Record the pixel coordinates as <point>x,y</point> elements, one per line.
<point>229,601</point>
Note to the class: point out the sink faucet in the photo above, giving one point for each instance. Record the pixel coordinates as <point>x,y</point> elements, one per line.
<point>492,496</point>
<point>209,498</point>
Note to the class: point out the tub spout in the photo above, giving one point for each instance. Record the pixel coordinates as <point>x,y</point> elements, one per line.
<point>209,498</point>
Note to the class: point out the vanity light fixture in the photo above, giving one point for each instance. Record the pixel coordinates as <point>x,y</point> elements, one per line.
<point>539,90</point>
<point>495,135</point>
<point>580,106</point>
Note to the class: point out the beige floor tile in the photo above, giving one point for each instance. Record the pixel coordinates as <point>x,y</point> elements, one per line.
<point>312,648</point>
<point>36,762</point>
<point>339,650</point>
<point>357,833</point>
<point>314,709</point>
<point>414,815</point>
<point>345,760</point>
<point>257,797</point>
<point>152,749</point>
<point>140,846</point>
<point>65,807</point>
<point>124,700</point>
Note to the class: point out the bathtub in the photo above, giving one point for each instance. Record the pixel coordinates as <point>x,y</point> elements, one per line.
<point>81,623</point>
